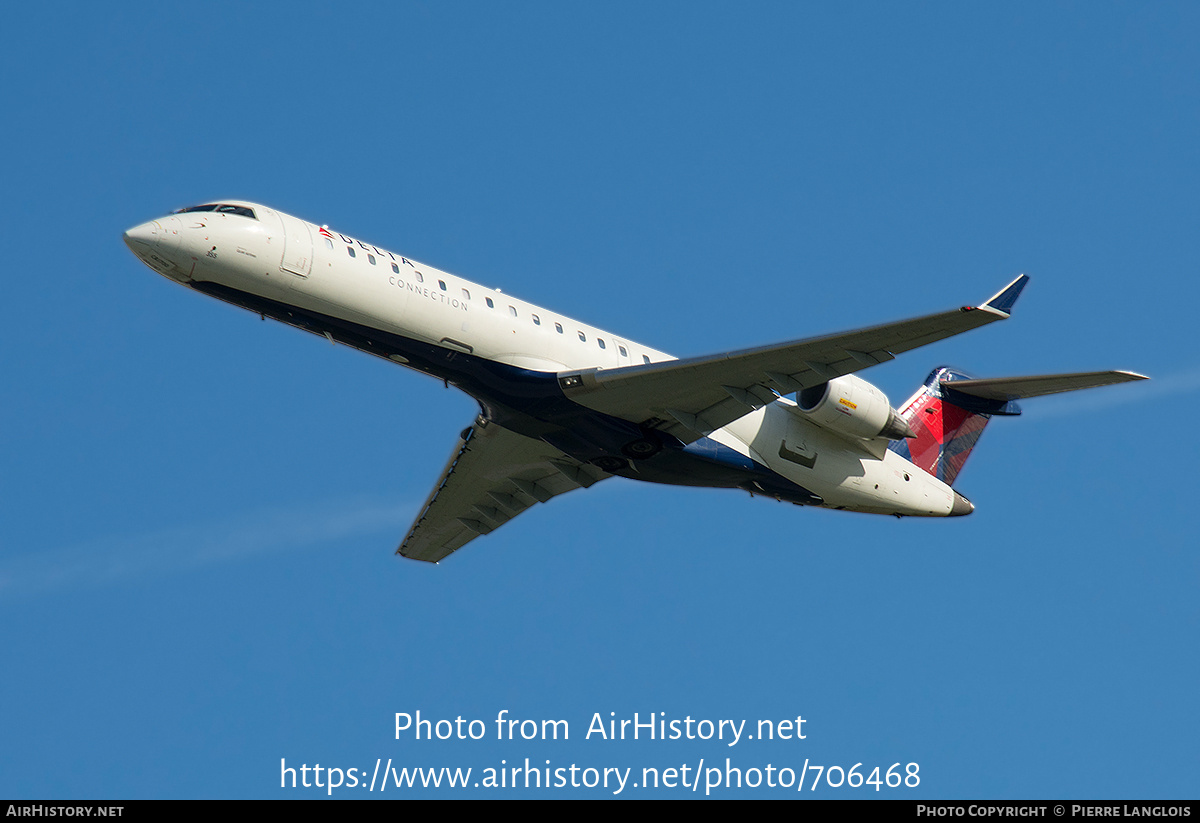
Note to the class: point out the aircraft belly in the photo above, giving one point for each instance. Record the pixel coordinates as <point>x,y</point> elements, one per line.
<point>676,468</point>
<point>708,463</point>
<point>525,400</point>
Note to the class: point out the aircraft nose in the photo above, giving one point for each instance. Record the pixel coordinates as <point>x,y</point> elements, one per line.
<point>144,236</point>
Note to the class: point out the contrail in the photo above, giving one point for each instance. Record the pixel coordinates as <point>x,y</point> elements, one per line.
<point>121,557</point>
<point>1111,396</point>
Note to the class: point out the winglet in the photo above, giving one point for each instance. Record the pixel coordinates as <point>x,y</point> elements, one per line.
<point>1006,298</point>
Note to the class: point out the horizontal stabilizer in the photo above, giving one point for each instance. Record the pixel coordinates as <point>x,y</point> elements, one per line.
<point>951,410</point>
<point>1016,388</point>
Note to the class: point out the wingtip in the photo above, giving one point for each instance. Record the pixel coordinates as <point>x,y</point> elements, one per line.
<point>1123,376</point>
<point>1004,300</point>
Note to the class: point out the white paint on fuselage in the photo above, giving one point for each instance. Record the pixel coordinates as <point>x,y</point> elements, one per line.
<point>844,473</point>
<point>402,296</point>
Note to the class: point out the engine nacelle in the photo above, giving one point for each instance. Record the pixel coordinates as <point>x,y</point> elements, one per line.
<point>853,407</point>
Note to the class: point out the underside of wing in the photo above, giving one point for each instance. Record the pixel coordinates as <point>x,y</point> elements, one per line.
<point>693,397</point>
<point>1017,388</point>
<point>493,475</point>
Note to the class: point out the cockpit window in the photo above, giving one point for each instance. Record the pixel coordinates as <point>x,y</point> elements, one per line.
<point>223,208</point>
<point>241,210</point>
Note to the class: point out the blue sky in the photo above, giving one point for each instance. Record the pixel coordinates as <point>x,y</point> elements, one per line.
<point>198,510</point>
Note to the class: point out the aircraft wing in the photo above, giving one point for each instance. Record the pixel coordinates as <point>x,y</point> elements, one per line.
<point>493,475</point>
<point>691,398</point>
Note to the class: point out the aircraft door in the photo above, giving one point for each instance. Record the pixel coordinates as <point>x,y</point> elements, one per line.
<point>297,246</point>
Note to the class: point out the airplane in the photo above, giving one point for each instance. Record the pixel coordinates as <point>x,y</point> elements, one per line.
<point>565,405</point>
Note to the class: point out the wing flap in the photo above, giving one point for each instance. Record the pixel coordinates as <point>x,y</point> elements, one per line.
<point>690,398</point>
<point>493,475</point>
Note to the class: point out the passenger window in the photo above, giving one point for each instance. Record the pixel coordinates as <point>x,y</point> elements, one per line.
<point>558,327</point>
<point>395,269</point>
<point>600,340</point>
<point>420,277</point>
<point>537,321</point>
<point>623,352</point>
<point>583,337</point>
<point>646,359</point>
<point>442,285</point>
<point>512,310</point>
<point>328,243</point>
<point>466,295</point>
<point>371,259</point>
<point>489,302</point>
<point>350,251</point>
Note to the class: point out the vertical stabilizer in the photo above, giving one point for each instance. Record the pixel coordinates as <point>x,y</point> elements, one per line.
<point>947,423</point>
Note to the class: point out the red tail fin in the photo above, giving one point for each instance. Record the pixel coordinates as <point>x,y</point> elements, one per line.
<point>948,425</point>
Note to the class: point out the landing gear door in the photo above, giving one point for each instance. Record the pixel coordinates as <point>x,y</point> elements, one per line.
<point>297,246</point>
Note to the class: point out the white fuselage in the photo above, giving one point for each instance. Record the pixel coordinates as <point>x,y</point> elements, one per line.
<point>334,284</point>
